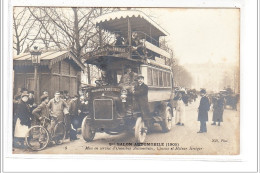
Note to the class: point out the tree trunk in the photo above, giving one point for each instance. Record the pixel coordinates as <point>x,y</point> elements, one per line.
<point>99,32</point>
<point>76,27</point>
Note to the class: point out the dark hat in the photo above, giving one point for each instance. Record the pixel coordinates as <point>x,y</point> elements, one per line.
<point>24,89</point>
<point>65,92</point>
<point>43,97</point>
<point>140,76</point>
<point>32,92</point>
<point>203,91</point>
<point>25,93</point>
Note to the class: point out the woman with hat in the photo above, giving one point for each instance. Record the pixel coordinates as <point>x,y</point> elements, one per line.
<point>180,108</point>
<point>218,109</point>
<point>24,118</point>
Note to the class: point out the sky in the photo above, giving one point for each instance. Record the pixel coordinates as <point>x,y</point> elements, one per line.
<point>200,35</point>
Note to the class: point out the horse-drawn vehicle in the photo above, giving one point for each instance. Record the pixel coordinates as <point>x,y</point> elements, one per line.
<point>112,106</point>
<point>231,99</point>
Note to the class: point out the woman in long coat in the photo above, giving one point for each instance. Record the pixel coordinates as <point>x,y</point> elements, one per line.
<point>218,109</point>
<point>24,119</point>
<point>180,109</point>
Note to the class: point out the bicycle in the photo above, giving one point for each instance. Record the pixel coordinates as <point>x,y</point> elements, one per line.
<point>38,137</point>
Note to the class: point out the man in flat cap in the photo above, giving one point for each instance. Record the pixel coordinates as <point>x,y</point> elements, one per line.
<point>57,106</point>
<point>141,96</point>
<point>203,111</point>
<point>42,110</point>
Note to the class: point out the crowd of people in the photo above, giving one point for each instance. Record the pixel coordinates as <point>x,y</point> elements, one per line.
<point>66,109</point>
<point>72,110</point>
<point>217,103</point>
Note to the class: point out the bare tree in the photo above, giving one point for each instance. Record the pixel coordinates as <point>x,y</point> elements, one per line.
<point>23,24</point>
<point>61,28</point>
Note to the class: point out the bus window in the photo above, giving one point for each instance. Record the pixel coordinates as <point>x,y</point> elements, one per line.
<point>160,78</point>
<point>155,77</point>
<point>149,77</point>
<point>168,76</point>
<point>164,79</point>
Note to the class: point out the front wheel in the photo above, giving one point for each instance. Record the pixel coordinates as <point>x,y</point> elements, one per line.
<point>140,130</point>
<point>37,138</point>
<point>166,124</point>
<point>87,134</point>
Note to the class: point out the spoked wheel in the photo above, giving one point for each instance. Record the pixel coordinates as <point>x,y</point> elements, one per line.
<point>59,133</point>
<point>167,119</point>
<point>140,130</point>
<point>87,133</point>
<point>37,138</point>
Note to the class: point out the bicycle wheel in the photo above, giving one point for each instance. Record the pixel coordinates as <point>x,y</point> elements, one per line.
<point>59,133</point>
<point>37,138</point>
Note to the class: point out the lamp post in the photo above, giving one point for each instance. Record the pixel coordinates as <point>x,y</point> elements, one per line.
<point>36,59</point>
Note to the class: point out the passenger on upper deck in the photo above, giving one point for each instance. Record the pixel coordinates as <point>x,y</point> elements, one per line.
<point>137,45</point>
<point>120,41</point>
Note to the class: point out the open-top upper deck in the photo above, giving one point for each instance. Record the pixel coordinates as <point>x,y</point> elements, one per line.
<point>139,44</point>
<point>118,21</point>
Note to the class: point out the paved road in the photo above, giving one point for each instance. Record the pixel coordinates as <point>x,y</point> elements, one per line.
<point>222,139</point>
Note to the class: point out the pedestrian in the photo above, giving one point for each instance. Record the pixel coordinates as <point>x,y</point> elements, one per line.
<point>141,97</point>
<point>16,101</point>
<point>218,109</point>
<point>67,120</point>
<point>24,119</point>
<point>74,118</point>
<point>31,101</point>
<point>203,111</point>
<point>180,108</point>
<point>57,106</point>
<point>83,109</point>
<point>42,111</point>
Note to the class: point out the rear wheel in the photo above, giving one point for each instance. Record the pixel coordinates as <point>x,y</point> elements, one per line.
<point>59,133</point>
<point>140,130</point>
<point>87,134</point>
<point>166,124</point>
<point>37,138</point>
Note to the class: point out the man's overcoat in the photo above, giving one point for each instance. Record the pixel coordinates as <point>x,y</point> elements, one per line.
<point>203,109</point>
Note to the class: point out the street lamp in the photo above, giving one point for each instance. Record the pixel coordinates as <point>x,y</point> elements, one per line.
<point>36,59</point>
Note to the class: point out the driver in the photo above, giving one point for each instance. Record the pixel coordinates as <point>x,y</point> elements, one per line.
<point>128,80</point>
<point>103,80</point>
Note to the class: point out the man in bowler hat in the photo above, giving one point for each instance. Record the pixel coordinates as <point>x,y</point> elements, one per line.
<point>203,111</point>
<point>141,96</point>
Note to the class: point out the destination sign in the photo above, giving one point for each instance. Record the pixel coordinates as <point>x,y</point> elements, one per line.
<point>106,50</point>
<point>105,89</point>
